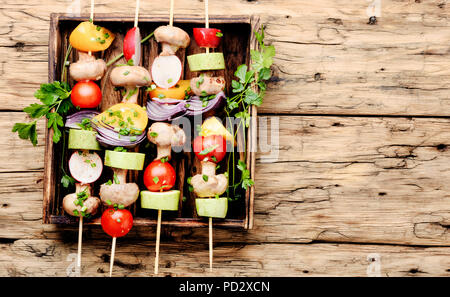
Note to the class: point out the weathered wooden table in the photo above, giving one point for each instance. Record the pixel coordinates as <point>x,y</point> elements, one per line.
<point>361,185</point>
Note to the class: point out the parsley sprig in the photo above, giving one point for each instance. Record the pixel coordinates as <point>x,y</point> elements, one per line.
<point>249,89</point>
<point>55,99</point>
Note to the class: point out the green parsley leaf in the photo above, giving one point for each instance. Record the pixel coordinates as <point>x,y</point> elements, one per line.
<point>26,131</point>
<point>66,181</point>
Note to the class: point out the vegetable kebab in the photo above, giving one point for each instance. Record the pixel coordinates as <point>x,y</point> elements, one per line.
<point>124,124</point>
<point>166,68</point>
<point>206,86</point>
<point>208,186</point>
<point>118,194</point>
<point>85,166</point>
<point>159,176</point>
<point>88,38</point>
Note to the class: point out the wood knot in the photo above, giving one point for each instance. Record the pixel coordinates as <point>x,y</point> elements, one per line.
<point>19,46</point>
<point>318,76</point>
<point>441,147</point>
<point>372,20</point>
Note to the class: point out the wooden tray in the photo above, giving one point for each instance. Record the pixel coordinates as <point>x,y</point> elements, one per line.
<point>237,41</point>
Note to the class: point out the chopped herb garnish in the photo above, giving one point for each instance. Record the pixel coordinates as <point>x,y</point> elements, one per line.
<point>219,34</point>
<point>164,160</point>
<point>155,179</point>
<point>109,182</point>
<point>208,150</point>
<point>116,179</point>
<point>126,73</point>
<point>205,177</point>
<point>153,134</point>
<point>98,28</point>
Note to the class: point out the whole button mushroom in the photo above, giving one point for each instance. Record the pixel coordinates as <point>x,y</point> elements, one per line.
<point>87,68</point>
<point>206,85</point>
<point>208,184</point>
<point>81,203</point>
<point>118,191</point>
<point>132,78</point>
<point>165,136</point>
<point>171,38</point>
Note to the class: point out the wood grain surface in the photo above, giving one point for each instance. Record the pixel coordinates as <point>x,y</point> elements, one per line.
<point>363,153</point>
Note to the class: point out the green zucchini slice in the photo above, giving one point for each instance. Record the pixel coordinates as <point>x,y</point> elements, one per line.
<point>212,207</point>
<point>160,200</point>
<point>124,160</point>
<point>204,61</point>
<point>83,140</point>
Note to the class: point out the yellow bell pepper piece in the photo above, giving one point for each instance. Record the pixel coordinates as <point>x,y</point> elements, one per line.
<point>177,92</point>
<point>88,37</point>
<point>124,116</point>
<point>212,126</point>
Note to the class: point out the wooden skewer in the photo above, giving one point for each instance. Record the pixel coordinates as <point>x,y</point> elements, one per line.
<point>92,10</point>
<point>113,251</point>
<point>136,14</point>
<point>210,244</point>
<point>158,235</point>
<point>206,20</point>
<point>91,18</point>
<point>80,239</point>
<point>171,13</point>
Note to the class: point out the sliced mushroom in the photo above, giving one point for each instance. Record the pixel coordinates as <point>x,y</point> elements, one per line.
<point>89,206</point>
<point>171,38</point>
<point>87,68</point>
<point>208,184</point>
<point>165,136</point>
<point>205,85</point>
<point>132,78</point>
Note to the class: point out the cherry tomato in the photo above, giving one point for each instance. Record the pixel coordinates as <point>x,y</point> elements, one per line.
<point>213,148</point>
<point>117,223</point>
<point>86,94</point>
<point>207,37</point>
<point>159,175</point>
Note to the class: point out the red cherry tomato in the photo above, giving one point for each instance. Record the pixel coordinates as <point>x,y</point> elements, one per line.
<point>159,176</point>
<point>213,148</point>
<point>86,94</point>
<point>116,223</point>
<point>207,37</point>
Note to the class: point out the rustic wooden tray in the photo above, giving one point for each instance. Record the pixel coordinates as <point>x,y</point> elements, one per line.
<point>237,41</point>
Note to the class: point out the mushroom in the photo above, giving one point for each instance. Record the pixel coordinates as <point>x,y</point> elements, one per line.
<point>132,78</point>
<point>172,38</point>
<point>206,85</point>
<point>165,136</point>
<point>119,192</point>
<point>81,202</point>
<point>87,68</point>
<point>208,184</point>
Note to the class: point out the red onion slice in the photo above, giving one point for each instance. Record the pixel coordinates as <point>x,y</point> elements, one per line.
<point>107,136</point>
<point>73,120</point>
